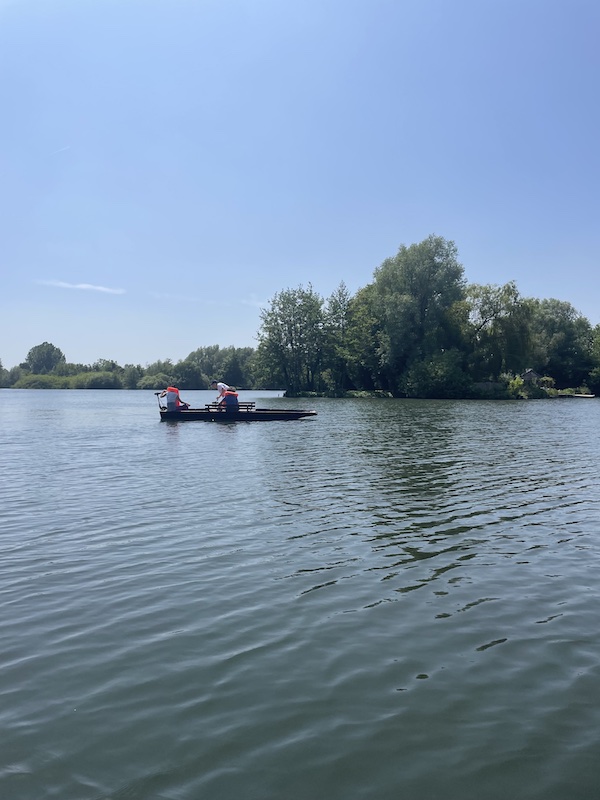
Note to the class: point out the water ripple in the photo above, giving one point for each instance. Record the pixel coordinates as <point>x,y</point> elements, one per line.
<point>324,608</point>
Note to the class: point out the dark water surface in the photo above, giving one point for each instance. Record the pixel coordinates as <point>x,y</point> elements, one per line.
<point>395,599</point>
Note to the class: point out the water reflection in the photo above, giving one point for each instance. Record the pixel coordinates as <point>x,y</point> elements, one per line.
<point>353,598</point>
<point>417,493</point>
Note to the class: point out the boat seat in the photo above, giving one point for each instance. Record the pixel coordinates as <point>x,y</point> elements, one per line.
<point>241,407</point>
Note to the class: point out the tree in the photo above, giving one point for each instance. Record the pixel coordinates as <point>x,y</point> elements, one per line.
<point>156,380</point>
<point>3,376</point>
<point>337,312</point>
<point>15,374</point>
<point>440,376</point>
<point>230,364</point>
<point>97,380</point>
<point>66,369</point>
<point>160,367</point>
<point>187,375</point>
<point>236,369</point>
<point>208,362</point>
<point>132,373</point>
<point>106,365</point>
<point>498,330</point>
<point>416,293</point>
<point>562,342</point>
<point>292,340</point>
<point>593,380</point>
<point>363,338</point>
<point>43,358</point>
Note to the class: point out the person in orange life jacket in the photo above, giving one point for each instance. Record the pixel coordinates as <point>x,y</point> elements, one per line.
<point>230,400</point>
<point>222,388</point>
<point>174,402</point>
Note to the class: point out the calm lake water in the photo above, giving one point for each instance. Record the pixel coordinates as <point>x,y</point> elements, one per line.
<point>394,599</point>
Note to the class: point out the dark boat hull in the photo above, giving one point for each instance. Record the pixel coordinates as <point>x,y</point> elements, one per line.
<point>250,415</point>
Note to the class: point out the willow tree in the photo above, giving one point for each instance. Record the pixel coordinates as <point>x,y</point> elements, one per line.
<point>292,340</point>
<point>498,330</point>
<point>562,342</point>
<point>416,294</point>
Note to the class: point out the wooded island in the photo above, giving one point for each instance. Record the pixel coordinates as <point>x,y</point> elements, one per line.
<point>417,330</point>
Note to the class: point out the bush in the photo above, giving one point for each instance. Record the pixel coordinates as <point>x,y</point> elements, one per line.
<point>96,380</point>
<point>439,377</point>
<point>516,387</point>
<point>158,381</point>
<point>594,380</point>
<point>42,382</point>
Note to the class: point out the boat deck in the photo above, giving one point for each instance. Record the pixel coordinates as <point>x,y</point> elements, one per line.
<point>245,412</point>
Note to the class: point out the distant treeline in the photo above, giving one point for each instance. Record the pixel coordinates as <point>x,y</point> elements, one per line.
<point>47,368</point>
<point>417,330</point>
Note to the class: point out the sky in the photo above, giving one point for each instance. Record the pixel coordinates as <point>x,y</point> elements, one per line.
<point>167,167</point>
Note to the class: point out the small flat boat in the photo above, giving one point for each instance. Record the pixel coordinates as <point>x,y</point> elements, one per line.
<point>245,412</point>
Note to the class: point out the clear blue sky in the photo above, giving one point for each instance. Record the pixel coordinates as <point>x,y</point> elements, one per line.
<point>166,167</point>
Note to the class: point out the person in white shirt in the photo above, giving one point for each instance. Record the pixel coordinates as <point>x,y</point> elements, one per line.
<point>220,387</point>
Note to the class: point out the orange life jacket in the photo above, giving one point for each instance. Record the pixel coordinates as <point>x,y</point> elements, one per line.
<point>174,390</point>
<point>229,398</point>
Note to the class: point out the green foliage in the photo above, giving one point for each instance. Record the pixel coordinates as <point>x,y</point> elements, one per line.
<point>536,392</point>
<point>106,365</point>
<point>31,381</point>
<point>234,365</point>
<point>66,369</point>
<point>416,292</point>
<point>132,374</point>
<point>43,358</point>
<point>516,387</point>
<point>593,378</point>
<point>363,341</point>
<point>154,381</point>
<point>417,330</point>
<point>186,375</point>
<point>489,390</point>
<point>292,340</point>
<point>497,330</point>
<point>15,374</point>
<point>562,342</point>
<point>208,361</point>
<point>440,376</point>
<point>97,380</point>
<point>160,367</point>
<point>238,366</point>
<point>336,327</point>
